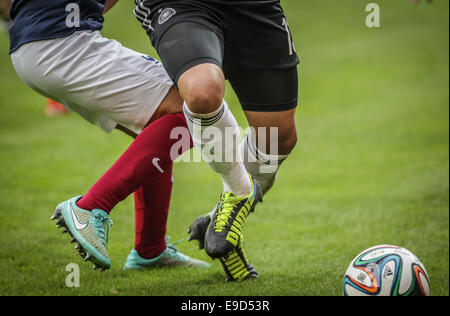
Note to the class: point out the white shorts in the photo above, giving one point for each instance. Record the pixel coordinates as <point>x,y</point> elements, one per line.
<point>104,82</point>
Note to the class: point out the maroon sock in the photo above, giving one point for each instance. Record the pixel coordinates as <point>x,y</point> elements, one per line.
<point>152,202</point>
<point>146,158</point>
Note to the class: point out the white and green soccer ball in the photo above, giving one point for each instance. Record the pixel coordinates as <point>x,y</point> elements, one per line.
<point>386,270</point>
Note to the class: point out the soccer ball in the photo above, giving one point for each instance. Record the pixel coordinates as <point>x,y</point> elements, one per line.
<point>386,270</point>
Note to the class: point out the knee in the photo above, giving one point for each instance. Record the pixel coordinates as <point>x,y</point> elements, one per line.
<point>204,99</point>
<point>287,142</point>
<point>203,89</point>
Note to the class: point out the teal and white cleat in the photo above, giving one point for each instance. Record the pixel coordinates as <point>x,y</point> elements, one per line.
<point>170,257</point>
<point>89,231</point>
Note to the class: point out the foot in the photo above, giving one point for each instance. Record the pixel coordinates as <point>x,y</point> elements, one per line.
<point>53,108</point>
<point>224,231</point>
<point>168,258</point>
<point>236,264</point>
<point>89,231</point>
<point>198,229</point>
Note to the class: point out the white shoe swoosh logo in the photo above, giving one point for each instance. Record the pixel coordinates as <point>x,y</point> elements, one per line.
<point>155,162</point>
<point>77,223</point>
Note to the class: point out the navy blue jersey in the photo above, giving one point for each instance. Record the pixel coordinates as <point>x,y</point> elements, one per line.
<point>36,20</point>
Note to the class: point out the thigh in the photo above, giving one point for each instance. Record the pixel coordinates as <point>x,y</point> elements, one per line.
<point>266,90</point>
<point>121,84</point>
<point>185,45</point>
<point>257,37</point>
<point>104,82</point>
<point>260,58</point>
<point>184,33</point>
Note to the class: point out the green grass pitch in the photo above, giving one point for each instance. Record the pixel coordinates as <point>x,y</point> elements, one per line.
<point>372,165</point>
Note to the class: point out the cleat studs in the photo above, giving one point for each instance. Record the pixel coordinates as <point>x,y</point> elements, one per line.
<point>95,267</point>
<point>88,256</point>
<point>65,231</point>
<point>73,240</point>
<point>56,214</point>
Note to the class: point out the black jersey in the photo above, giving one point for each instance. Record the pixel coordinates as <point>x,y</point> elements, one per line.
<point>146,9</point>
<point>222,2</point>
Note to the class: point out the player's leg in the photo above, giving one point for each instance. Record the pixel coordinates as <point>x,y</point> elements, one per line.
<point>235,264</point>
<point>85,217</point>
<point>5,20</point>
<point>152,202</point>
<point>151,248</point>
<point>271,114</point>
<point>267,145</point>
<point>127,89</point>
<point>260,158</point>
<point>201,83</point>
<point>147,157</point>
<point>5,6</point>
<point>146,169</point>
<point>105,83</point>
<point>264,76</point>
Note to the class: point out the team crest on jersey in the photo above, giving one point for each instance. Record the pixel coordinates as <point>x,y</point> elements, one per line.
<point>165,15</point>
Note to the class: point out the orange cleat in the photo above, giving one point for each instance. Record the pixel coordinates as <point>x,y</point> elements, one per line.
<point>54,108</point>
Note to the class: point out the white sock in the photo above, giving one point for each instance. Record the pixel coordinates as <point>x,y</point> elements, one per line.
<point>208,133</point>
<point>261,166</point>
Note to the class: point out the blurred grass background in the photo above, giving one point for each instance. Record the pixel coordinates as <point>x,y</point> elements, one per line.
<point>372,165</point>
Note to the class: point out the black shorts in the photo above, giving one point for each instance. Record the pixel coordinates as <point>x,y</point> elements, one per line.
<point>251,43</point>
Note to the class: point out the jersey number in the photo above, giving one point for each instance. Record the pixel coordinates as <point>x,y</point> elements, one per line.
<point>290,42</point>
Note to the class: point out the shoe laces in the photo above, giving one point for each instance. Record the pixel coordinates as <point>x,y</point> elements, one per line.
<point>102,224</point>
<point>224,210</point>
<point>172,250</point>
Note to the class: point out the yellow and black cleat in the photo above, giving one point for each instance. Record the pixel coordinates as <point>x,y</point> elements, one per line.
<point>224,231</point>
<point>237,266</point>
